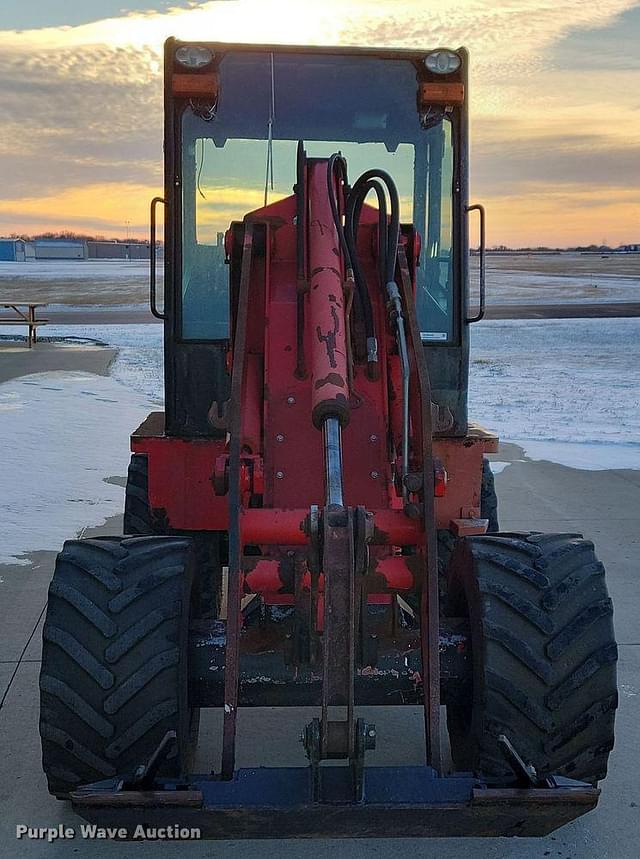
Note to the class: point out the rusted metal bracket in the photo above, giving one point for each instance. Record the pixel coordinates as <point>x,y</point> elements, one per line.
<point>145,775</point>
<point>421,418</point>
<point>469,526</point>
<point>441,418</point>
<point>332,739</point>
<point>218,414</point>
<point>234,589</point>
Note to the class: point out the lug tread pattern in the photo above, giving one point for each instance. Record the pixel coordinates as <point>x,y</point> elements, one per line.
<point>518,647</point>
<point>546,674</point>
<point>79,654</point>
<point>141,727</point>
<point>113,678</point>
<point>84,606</point>
<point>518,604</point>
<point>76,705</point>
<point>139,630</point>
<point>137,513</point>
<point>139,679</point>
<point>151,581</point>
<point>578,626</point>
<point>65,741</point>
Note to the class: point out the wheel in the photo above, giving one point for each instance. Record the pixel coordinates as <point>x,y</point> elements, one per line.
<point>210,546</point>
<point>488,498</point>
<point>114,659</point>
<point>137,512</point>
<point>544,655</point>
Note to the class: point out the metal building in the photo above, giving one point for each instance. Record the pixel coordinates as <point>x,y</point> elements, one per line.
<point>60,249</point>
<point>118,250</point>
<point>12,250</point>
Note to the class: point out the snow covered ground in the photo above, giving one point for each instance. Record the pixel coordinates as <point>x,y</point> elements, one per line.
<point>545,384</point>
<point>564,390</point>
<point>76,269</point>
<point>139,362</point>
<point>560,279</point>
<point>517,279</point>
<point>64,436</point>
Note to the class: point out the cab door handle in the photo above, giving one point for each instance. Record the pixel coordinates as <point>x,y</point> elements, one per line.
<point>152,255</point>
<point>480,314</point>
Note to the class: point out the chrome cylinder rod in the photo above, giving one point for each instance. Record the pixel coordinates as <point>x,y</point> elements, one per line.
<point>332,436</point>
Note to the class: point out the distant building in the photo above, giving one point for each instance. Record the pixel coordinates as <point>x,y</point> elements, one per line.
<point>60,249</point>
<point>629,249</point>
<point>117,250</point>
<point>12,250</point>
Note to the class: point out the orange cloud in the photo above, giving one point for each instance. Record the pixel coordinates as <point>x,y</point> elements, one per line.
<point>81,107</point>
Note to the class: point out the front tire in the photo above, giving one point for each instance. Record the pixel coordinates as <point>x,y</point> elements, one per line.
<point>114,659</point>
<point>544,655</point>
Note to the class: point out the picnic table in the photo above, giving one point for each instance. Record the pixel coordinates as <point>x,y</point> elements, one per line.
<point>24,314</point>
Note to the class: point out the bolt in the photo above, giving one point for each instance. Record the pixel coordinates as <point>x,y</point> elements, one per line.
<point>413,481</point>
<point>373,438</point>
<point>374,475</point>
<point>279,474</point>
<point>280,437</point>
<point>372,732</point>
<point>291,401</point>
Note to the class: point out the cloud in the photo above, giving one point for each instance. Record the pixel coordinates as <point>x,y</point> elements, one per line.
<point>587,160</point>
<point>81,107</point>
<point>104,207</point>
<point>69,117</point>
<point>567,215</point>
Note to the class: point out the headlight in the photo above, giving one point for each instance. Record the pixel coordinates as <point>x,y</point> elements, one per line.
<point>194,56</point>
<point>443,62</point>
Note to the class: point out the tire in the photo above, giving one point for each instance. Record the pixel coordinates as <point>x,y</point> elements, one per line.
<point>137,512</point>
<point>488,498</point>
<point>209,546</point>
<point>114,659</point>
<point>544,655</point>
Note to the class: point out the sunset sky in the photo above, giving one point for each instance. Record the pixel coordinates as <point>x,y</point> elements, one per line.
<point>555,103</point>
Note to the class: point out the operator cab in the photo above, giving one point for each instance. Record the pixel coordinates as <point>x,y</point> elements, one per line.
<point>234,116</point>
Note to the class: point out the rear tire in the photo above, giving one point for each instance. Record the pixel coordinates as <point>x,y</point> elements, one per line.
<point>114,659</point>
<point>544,655</point>
<point>137,512</point>
<point>489,498</point>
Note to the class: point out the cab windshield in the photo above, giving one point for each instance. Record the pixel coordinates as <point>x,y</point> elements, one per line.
<point>243,154</point>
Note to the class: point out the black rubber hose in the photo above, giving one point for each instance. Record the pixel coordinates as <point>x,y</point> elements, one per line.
<point>392,231</point>
<point>354,209</point>
<point>388,230</point>
<point>338,161</point>
<point>361,300</point>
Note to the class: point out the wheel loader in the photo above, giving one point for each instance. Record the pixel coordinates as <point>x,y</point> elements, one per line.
<point>311,522</point>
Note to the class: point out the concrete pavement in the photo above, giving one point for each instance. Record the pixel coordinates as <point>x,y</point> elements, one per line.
<point>604,505</point>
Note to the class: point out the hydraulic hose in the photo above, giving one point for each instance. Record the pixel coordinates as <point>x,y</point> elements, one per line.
<point>381,183</point>
<point>389,237</point>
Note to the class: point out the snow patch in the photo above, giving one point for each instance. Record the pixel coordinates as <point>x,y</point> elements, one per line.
<point>588,457</point>
<point>63,433</point>
<point>560,381</point>
<point>498,467</point>
<point>139,362</point>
